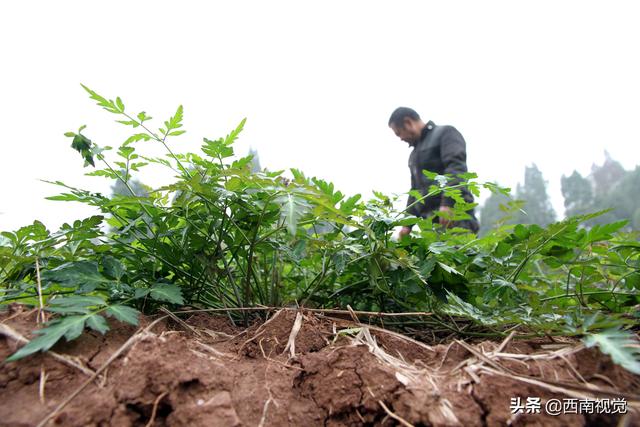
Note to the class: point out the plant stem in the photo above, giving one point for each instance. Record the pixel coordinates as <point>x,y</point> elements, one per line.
<point>590,293</point>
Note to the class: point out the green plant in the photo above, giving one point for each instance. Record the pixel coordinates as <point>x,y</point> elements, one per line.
<point>223,236</point>
<point>620,345</point>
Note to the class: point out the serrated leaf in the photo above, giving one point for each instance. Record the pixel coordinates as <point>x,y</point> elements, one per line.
<point>521,232</point>
<point>298,175</point>
<point>622,346</point>
<point>449,269</point>
<point>502,249</point>
<point>102,101</point>
<point>98,323</point>
<point>467,175</point>
<point>100,172</point>
<point>74,326</point>
<point>75,304</point>
<point>124,313</point>
<point>141,292</point>
<point>174,122</point>
<point>230,139</point>
<point>125,151</point>
<point>70,327</point>
<point>137,137</point>
<point>167,292</point>
<point>129,123</point>
<point>439,247</point>
<point>113,267</point>
<point>456,306</point>
<point>601,232</point>
<point>75,274</point>
<point>137,166</point>
<point>504,283</point>
<point>82,145</point>
<point>633,281</point>
<point>348,205</point>
<point>78,300</point>
<point>292,209</point>
<point>142,116</point>
<point>48,337</point>
<point>64,197</point>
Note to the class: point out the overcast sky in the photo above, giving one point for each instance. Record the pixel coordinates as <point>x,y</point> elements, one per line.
<point>547,82</point>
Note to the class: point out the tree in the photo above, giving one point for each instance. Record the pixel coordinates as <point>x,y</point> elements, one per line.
<point>493,211</point>
<point>624,198</point>
<point>534,193</point>
<point>138,188</point>
<point>577,193</point>
<point>635,220</point>
<point>609,186</point>
<point>606,177</point>
<point>255,161</point>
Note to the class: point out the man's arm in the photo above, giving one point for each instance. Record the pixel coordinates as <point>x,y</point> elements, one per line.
<point>453,153</point>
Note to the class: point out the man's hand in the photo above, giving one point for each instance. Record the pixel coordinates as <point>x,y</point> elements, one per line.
<point>444,220</point>
<point>405,231</point>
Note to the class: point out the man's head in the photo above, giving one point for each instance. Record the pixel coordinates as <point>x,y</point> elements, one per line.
<point>406,124</point>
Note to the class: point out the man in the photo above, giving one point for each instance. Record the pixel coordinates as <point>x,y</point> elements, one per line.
<point>439,149</point>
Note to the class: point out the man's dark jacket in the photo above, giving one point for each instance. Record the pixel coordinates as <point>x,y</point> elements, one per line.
<point>441,149</point>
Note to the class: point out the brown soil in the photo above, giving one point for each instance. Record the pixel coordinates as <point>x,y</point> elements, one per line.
<point>221,375</point>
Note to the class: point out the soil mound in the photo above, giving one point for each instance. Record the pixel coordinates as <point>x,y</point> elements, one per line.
<point>296,369</point>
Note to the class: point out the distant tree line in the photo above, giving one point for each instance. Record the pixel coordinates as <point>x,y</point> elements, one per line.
<point>608,186</point>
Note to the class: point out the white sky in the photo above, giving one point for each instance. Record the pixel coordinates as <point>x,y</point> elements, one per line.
<point>547,82</point>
